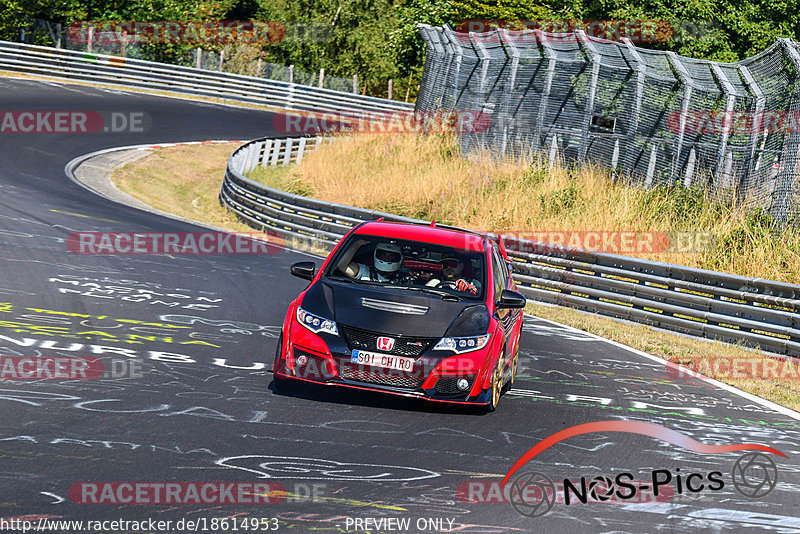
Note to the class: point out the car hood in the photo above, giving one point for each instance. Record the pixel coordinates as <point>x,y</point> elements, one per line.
<point>398,312</point>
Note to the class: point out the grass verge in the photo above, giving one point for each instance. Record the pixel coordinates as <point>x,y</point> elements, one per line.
<point>185,180</point>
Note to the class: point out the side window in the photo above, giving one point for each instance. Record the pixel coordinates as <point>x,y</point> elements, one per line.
<point>499,273</point>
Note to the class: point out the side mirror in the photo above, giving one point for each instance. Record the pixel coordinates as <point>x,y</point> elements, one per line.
<point>510,300</point>
<point>304,269</point>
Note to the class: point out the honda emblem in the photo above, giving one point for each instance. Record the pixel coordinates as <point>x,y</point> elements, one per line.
<point>385,343</point>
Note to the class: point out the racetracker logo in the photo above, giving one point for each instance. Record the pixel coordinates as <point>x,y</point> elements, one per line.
<point>533,494</point>
<point>195,32</point>
<point>561,31</point>
<point>734,122</point>
<point>735,368</point>
<point>174,243</point>
<point>74,122</point>
<point>177,493</point>
<point>462,122</point>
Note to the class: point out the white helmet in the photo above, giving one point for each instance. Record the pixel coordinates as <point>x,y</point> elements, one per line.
<point>388,257</point>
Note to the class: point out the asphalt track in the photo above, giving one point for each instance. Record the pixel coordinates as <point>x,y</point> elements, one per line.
<point>214,417</point>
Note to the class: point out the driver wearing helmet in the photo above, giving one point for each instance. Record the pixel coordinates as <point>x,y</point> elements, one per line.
<point>386,265</point>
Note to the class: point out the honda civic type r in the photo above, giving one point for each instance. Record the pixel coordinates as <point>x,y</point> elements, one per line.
<point>408,309</point>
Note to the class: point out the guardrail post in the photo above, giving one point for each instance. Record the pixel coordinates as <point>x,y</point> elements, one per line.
<point>287,151</point>
<point>276,148</point>
<point>594,57</point>
<point>633,123</point>
<point>548,85</point>
<point>267,153</point>
<point>301,150</point>
<point>252,161</point>
<point>755,89</point>
<point>686,79</point>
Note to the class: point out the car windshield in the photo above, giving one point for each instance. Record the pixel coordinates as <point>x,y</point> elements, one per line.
<point>414,265</point>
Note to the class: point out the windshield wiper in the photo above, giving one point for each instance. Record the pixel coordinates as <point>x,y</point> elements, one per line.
<point>444,294</point>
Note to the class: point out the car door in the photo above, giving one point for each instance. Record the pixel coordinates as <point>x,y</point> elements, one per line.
<point>500,279</point>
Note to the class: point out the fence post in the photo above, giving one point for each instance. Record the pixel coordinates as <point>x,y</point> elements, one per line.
<point>90,38</point>
<point>755,89</point>
<point>633,123</point>
<point>686,80</point>
<point>594,55</point>
<point>651,166</point>
<point>355,84</point>
<point>687,179</point>
<point>221,59</point>
<point>782,202</point>
<point>553,151</point>
<point>198,58</point>
<point>124,42</point>
<point>258,68</point>
<point>458,51</point>
<point>722,154</point>
<point>511,51</point>
<point>390,88</point>
<point>548,85</point>
<point>291,73</point>
<point>321,77</point>
<point>58,35</point>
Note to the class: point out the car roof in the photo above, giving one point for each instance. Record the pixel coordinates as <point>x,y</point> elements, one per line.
<point>461,239</point>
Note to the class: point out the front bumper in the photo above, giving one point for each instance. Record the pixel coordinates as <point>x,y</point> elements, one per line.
<point>426,381</point>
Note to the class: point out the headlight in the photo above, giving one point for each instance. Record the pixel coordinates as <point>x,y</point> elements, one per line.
<point>460,345</point>
<point>316,323</point>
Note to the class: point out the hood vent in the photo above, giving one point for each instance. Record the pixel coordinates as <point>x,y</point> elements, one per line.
<point>394,307</point>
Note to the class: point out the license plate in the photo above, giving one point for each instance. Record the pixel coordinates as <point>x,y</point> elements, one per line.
<point>377,359</point>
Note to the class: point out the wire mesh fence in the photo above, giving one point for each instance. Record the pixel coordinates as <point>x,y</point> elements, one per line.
<point>653,117</point>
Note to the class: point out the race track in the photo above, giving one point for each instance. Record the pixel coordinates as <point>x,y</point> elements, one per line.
<point>203,329</point>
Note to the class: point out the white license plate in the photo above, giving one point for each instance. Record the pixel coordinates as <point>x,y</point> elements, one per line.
<point>377,359</point>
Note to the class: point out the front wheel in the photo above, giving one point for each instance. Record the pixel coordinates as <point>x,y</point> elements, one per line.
<point>497,387</point>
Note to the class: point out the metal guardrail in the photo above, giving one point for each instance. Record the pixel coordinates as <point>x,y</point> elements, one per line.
<point>696,302</point>
<point>152,76</point>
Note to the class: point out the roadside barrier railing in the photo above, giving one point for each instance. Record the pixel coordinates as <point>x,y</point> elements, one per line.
<point>153,76</point>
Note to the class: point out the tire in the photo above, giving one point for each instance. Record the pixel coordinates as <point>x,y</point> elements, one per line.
<point>496,387</point>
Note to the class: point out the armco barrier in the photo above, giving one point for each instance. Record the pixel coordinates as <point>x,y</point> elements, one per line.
<point>697,302</point>
<point>152,76</point>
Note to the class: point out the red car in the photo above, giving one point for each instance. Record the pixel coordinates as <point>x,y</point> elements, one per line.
<point>420,311</point>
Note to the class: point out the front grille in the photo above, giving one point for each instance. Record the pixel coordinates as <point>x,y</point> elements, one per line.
<point>385,377</point>
<point>447,385</point>
<point>403,346</point>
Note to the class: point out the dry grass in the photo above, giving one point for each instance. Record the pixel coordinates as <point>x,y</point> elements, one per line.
<point>677,349</point>
<point>425,177</point>
<point>183,180</point>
